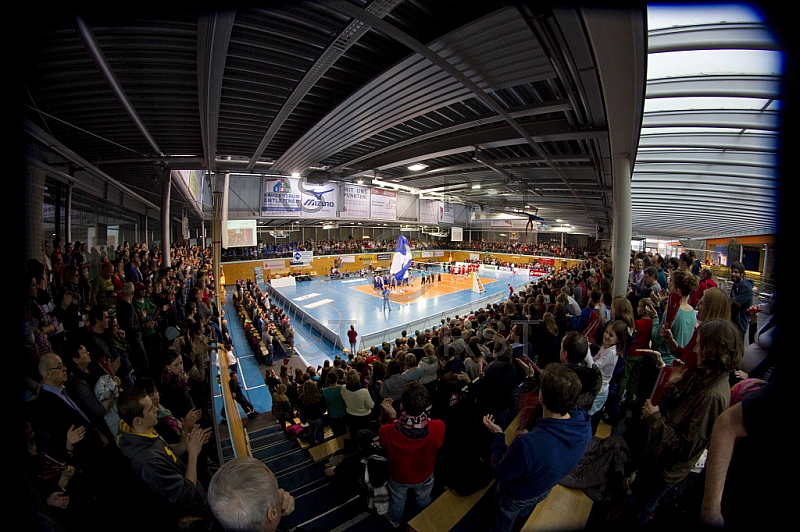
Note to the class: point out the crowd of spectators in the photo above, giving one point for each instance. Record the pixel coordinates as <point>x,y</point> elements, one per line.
<point>480,371</point>
<point>337,247</point>
<point>116,382</point>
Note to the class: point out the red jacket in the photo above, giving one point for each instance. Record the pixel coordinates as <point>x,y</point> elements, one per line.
<point>411,460</point>
<point>705,284</point>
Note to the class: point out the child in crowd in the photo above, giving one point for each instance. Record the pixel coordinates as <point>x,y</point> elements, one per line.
<point>641,340</point>
<point>613,346</point>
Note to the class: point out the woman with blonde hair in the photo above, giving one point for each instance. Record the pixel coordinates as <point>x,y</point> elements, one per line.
<point>430,367</point>
<point>358,402</point>
<point>621,309</point>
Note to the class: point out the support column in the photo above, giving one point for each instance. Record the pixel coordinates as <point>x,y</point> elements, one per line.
<point>33,228</point>
<point>219,186</point>
<point>146,227</point>
<point>166,190</point>
<point>68,213</point>
<point>621,231</point>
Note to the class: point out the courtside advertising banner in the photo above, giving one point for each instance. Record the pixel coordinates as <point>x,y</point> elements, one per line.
<point>300,258</point>
<point>281,197</point>
<point>319,201</point>
<point>383,204</point>
<point>277,264</point>
<point>355,202</point>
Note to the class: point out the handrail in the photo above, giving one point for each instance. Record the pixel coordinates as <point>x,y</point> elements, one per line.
<point>234,422</point>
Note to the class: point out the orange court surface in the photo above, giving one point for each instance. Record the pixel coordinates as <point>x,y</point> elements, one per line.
<point>448,285</point>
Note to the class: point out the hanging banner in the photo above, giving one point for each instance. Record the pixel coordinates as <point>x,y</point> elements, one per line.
<point>383,204</point>
<point>281,197</point>
<point>456,234</point>
<point>355,202</point>
<point>501,223</point>
<point>428,211</point>
<point>319,201</point>
<point>445,213</point>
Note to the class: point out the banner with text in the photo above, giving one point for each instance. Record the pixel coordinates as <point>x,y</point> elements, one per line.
<point>383,204</point>
<point>445,213</point>
<point>281,197</point>
<point>355,202</point>
<point>319,201</point>
<point>277,264</point>
<point>301,257</point>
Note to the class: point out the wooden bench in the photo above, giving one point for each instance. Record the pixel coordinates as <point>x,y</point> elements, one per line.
<point>563,509</point>
<point>451,507</point>
<point>324,450</point>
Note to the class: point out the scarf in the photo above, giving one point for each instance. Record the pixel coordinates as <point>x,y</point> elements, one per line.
<point>415,427</point>
<point>171,421</point>
<point>181,382</point>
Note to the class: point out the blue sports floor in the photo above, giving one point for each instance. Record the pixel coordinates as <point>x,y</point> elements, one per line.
<point>337,304</point>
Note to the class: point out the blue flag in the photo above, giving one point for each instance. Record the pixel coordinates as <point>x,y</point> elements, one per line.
<point>401,259</point>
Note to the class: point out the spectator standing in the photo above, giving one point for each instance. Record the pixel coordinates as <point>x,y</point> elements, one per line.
<point>351,336</point>
<point>742,292</point>
<point>528,469</point>
<point>411,442</point>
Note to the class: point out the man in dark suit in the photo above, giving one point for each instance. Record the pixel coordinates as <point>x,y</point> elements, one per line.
<point>102,484</point>
<point>54,414</point>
